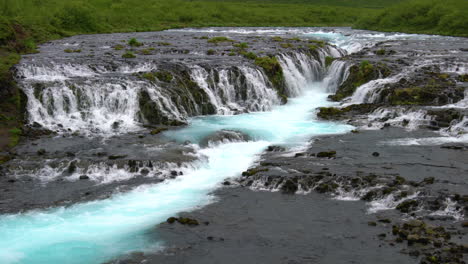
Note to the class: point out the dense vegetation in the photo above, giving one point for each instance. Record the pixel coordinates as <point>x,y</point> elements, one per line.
<point>448,17</point>
<point>25,23</point>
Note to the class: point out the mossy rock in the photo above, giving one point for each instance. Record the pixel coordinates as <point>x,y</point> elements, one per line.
<point>333,113</point>
<point>133,42</point>
<point>431,89</point>
<point>407,206</point>
<point>158,130</point>
<point>326,154</point>
<point>289,187</point>
<point>359,75</point>
<point>128,55</point>
<point>328,61</point>
<point>273,70</point>
<point>251,172</point>
<point>326,187</point>
<point>444,117</point>
<point>217,40</point>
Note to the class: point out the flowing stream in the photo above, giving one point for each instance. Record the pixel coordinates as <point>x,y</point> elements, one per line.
<point>98,231</point>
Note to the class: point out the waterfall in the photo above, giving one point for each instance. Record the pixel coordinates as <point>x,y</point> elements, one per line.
<point>299,70</point>
<point>84,105</point>
<point>337,73</point>
<point>234,90</point>
<point>115,98</point>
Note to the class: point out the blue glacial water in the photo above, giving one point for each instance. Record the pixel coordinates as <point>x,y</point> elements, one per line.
<point>98,231</point>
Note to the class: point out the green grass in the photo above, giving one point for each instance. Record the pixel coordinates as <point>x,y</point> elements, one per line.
<point>448,17</point>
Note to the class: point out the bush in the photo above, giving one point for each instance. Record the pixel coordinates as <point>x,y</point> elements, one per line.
<point>77,17</point>
<point>134,42</point>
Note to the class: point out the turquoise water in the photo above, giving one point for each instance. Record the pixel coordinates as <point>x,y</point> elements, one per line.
<point>101,230</point>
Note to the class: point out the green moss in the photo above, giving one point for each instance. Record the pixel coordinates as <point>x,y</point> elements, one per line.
<point>463,78</point>
<point>217,40</point>
<point>312,47</point>
<point>119,47</point>
<point>72,51</point>
<point>277,39</point>
<point>329,112</point>
<point>295,39</point>
<point>158,130</point>
<point>133,42</point>
<point>164,44</point>
<point>359,75</point>
<point>251,172</point>
<point>249,55</point>
<point>287,45</point>
<point>242,45</point>
<point>145,52</point>
<point>333,113</point>
<point>211,52</point>
<point>407,206</point>
<point>318,43</point>
<point>163,76</point>
<point>328,61</point>
<point>128,55</point>
<point>15,135</point>
<point>380,52</point>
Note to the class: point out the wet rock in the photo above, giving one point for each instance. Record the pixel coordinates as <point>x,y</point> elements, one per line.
<point>275,149</point>
<point>84,177</point>
<point>407,206</point>
<point>289,187</point>
<point>72,167</point>
<point>224,136</point>
<point>174,173</point>
<point>158,130</point>
<point>326,154</point>
<point>116,157</point>
<point>385,221</point>
<point>372,224</point>
<point>41,152</point>
<point>429,180</point>
<point>251,172</point>
<point>183,221</point>
<point>359,75</point>
<point>376,154</point>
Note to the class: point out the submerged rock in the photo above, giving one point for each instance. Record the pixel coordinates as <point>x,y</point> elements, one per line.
<point>224,136</point>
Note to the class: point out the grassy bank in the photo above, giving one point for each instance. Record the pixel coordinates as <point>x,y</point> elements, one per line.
<point>26,23</point>
<point>448,17</point>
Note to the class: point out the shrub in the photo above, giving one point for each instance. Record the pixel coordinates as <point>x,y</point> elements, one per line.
<point>134,42</point>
